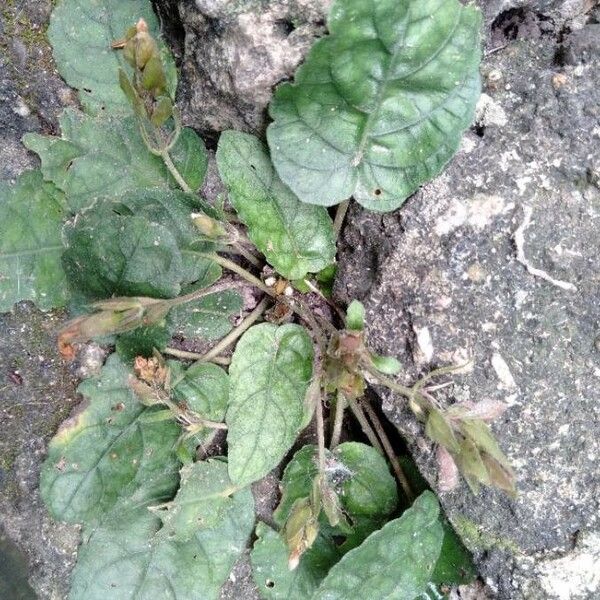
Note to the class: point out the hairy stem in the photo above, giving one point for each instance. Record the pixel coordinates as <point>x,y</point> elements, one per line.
<point>340,406</point>
<point>220,286</point>
<point>233,335</point>
<point>233,266</point>
<point>320,433</point>
<point>340,215</point>
<point>166,157</point>
<point>357,411</point>
<point>387,446</point>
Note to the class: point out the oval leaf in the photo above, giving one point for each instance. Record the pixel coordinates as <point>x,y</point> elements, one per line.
<point>108,452</point>
<point>395,562</point>
<point>379,106</point>
<point>295,239</point>
<point>270,373</point>
<point>31,216</point>
<point>81,33</point>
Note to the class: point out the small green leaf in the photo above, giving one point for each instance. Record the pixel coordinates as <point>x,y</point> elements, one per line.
<point>130,557</point>
<point>204,495</point>
<point>355,316</point>
<point>31,217</point>
<point>394,562</point>
<point>108,452</point>
<point>203,388</point>
<point>106,157</point>
<point>386,364</point>
<point>113,254</point>
<point>81,33</point>
<point>142,341</point>
<point>361,478</point>
<point>270,568</point>
<point>296,239</point>
<point>380,104</point>
<point>270,373</point>
<point>371,489</point>
<point>209,318</point>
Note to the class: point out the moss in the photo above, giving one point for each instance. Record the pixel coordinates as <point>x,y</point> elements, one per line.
<point>476,538</point>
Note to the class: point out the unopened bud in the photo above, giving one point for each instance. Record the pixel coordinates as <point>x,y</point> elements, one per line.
<point>300,530</point>
<point>208,226</point>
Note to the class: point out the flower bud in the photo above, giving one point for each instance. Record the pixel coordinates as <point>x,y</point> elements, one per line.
<point>208,226</point>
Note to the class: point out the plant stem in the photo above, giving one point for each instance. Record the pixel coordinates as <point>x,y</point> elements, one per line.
<point>233,335</point>
<point>357,411</point>
<point>232,266</point>
<point>387,446</point>
<point>340,215</point>
<point>340,406</point>
<point>166,157</point>
<point>389,383</point>
<point>219,286</point>
<point>253,260</point>
<point>320,433</point>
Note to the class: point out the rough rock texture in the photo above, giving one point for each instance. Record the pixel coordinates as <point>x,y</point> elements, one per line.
<point>36,391</point>
<point>442,281</point>
<point>235,52</point>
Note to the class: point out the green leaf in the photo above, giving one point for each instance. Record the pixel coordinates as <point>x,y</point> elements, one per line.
<point>204,495</point>
<point>190,158</point>
<point>455,565</point>
<point>270,373</point>
<point>386,364</point>
<point>81,33</point>
<point>355,316</point>
<point>380,104</point>
<point>142,341</point>
<point>371,489</point>
<point>106,157</point>
<point>203,388</point>
<point>113,254</point>
<point>31,217</point>
<point>173,209</point>
<point>108,452</point>
<point>270,569</point>
<point>131,558</point>
<point>295,239</point>
<point>209,318</point>
<point>394,562</point>
<point>440,431</point>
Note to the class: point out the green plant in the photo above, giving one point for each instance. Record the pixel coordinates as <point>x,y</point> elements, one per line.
<point>114,223</point>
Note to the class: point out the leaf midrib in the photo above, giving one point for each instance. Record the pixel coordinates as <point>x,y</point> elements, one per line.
<point>358,157</point>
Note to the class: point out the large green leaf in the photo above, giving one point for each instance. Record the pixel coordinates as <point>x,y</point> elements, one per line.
<point>123,255</point>
<point>296,239</point>
<point>380,104</point>
<point>270,568</point>
<point>81,33</point>
<point>204,494</point>
<point>209,318</point>
<point>270,373</point>
<point>106,157</point>
<point>173,209</point>
<point>131,558</point>
<point>31,217</point>
<point>108,452</point>
<point>394,562</point>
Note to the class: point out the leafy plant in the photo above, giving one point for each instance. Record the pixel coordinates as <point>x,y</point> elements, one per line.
<point>113,225</point>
